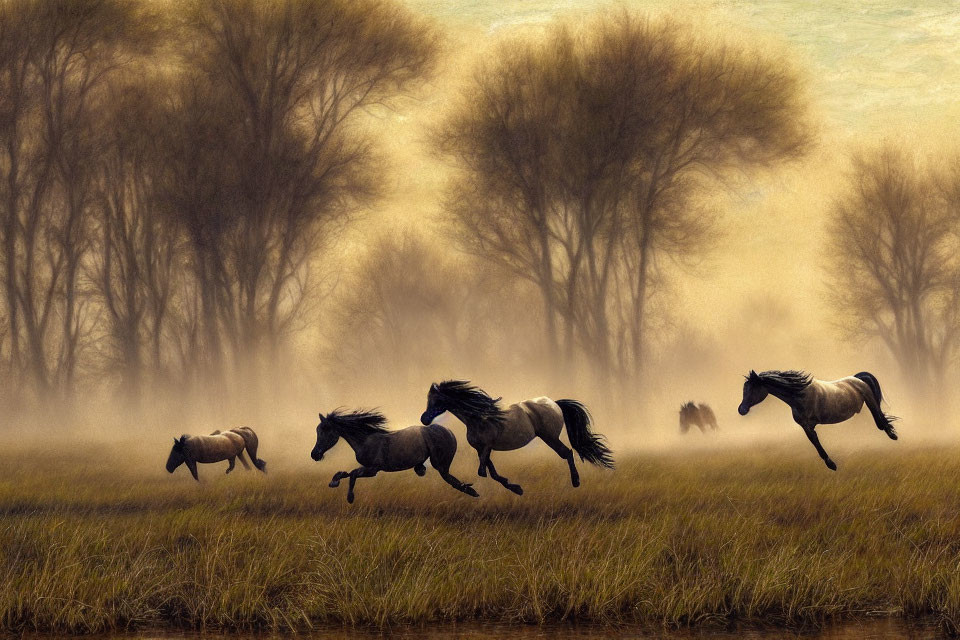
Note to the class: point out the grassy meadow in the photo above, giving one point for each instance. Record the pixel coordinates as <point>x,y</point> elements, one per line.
<point>702,540</point>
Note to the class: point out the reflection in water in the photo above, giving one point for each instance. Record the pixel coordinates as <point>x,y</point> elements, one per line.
<point>879,630</point>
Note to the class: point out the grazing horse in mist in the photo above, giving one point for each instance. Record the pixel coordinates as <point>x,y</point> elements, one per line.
<point>700,415</point>
<point>216,447</point>
<point>818,401</point>
<point>379,449</point>
<point>490,428</point>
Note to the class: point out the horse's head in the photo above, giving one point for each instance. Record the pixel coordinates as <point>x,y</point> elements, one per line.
<point>177,454</point>
<point>435,405</point>
<point>754,392</point>
<point>327,436</point>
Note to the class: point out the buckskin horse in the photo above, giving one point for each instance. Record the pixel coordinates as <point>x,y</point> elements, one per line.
<point>216,447</point>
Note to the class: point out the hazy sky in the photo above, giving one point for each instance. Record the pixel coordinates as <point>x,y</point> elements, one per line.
<point>869,60</point>
<point>876,70</point>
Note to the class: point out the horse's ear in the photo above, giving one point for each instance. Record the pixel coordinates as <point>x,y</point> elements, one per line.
<point>183,438</point>
<point>321,416</point>
<point>434,387</point>
<point>175,441</point>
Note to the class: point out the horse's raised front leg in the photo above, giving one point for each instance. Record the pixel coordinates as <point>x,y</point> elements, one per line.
<point>360,472</point>
<point>193,469</point>
<point>517,489</point>
<point>232,464</point>
<point>337,477</point>
<point>812,435</point>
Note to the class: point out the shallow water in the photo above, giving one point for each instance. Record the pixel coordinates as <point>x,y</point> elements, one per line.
<point>875,630</point>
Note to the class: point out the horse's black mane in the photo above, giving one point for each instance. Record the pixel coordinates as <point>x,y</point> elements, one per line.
<point>468,399</point>
<point>360,422</point>
<point>791,383</point>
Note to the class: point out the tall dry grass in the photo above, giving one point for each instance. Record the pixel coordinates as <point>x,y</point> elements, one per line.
<point>691,540</point>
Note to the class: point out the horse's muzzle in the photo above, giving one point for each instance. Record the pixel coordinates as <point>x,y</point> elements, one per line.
<point>743,410</point>
<point>316,455</point>
<point>425,418</point>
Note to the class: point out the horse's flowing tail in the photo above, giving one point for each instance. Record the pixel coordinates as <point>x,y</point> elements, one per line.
<point>587,444</point>
<point>252,442</point>
<point>884,420</point>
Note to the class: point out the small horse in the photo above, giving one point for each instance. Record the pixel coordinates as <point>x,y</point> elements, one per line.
<point>379,449</point>
<point>490,428</point>
<point>216,447</point>
<point>700,415</point>
<point>819,401</point>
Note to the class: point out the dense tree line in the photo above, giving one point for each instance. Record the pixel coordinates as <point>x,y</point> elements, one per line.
<point>167,179</point>
<point>175,177</point>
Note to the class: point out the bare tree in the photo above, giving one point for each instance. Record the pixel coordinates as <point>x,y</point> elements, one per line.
<point>136,249</point>
<point>294,77</point>
<point>57,56</point>
<point>16,107</point>
<point>894,260</point>
<point>580,159</point>
<point>195,187</point>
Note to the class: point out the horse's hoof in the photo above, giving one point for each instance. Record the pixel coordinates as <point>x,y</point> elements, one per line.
<point>470,491</point>
<point>350,498</point>
<point>517,489</point>
<point>575,482</point>
<point>831,465</point>
<point>334,484</point>
<point>892,433</point>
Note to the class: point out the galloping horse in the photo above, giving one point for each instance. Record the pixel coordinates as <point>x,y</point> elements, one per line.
<point>819,401</point>
<point>490,428</point>
<point>379,449</point>
<point>700,415</point>
<point>216,447</point>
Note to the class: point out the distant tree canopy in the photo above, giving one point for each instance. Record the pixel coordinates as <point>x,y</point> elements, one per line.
<point>163,221</point>
<point>580,156</point>
<point>895,259</point>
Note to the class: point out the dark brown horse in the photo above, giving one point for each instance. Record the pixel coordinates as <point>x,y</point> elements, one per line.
<point>490,428</point>
<point>379,449</point>
<point>816,402</point>
<point>216,447</point>
<point>700,416</point>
